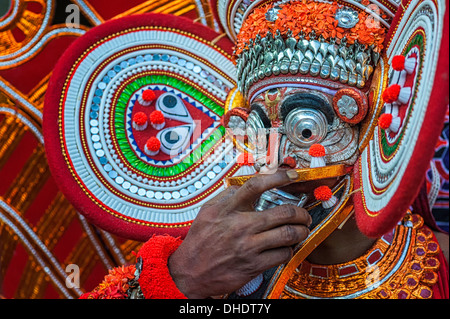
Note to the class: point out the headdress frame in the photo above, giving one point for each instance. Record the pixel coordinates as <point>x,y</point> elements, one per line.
<point>95,155</point>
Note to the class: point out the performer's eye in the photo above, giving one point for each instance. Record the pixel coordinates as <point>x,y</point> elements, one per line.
<point>316,101</point>
<point>305,126</point>
<point>306,117</point>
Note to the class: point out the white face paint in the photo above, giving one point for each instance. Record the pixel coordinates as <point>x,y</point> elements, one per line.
<point>285,122</point>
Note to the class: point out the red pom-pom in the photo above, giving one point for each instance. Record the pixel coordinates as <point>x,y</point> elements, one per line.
<point>290,161</point>
<point>385,120</point>
<point>245,159</point>
<point>323,193</point>
<point>398,62</point>
<point>391,94</point>
<point>140,118</point>
<point>156,117</point>
<point>148,95</point>
<point>317,150</point>
<point>153,144</point>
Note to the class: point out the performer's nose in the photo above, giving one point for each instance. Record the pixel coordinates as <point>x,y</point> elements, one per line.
<point>273,149</point>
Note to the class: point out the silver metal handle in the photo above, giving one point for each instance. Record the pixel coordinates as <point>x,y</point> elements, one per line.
<point>276,197</point>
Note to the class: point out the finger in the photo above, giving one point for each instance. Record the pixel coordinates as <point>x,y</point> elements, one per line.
<point>254,187</point>
<point>274,257</point>
<point>282,236</point>
<point>281,215</point>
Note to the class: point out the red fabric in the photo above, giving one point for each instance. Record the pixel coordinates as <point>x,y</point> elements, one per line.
<point>156,282</point>
<point>108,9</point>
<point>16,161</point>
<point>155,279</point>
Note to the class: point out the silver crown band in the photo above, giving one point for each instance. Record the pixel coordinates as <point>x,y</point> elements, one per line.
<point>273,55</point>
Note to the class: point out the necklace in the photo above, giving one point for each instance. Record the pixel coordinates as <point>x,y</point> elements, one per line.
<point>400,265</point>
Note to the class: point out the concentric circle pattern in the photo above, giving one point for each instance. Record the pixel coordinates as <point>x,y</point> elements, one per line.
<point>391,168</point>
<point>106,156</point>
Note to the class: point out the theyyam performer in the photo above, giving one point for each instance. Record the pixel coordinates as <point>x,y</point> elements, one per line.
<point>283,158</point>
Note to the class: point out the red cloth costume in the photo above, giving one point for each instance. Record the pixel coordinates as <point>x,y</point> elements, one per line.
<point>420,270</point>
<point>361,78</point>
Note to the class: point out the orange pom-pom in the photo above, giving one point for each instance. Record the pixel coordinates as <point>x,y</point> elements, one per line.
<point>398,62</point>
<point>391,94</point>
<point>385,120</point>
<point>148,95</point>
<point>323,193</point>
<point>245,159</point>
<point>156,117</point>
<point>140,118</point>
<point>317,150</point>
<point>153,144</point>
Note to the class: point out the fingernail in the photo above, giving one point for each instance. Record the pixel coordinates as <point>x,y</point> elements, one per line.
<point>292,174</point>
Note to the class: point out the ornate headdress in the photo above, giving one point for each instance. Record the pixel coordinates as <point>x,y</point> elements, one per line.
<point>384,63</point>
<point>309,38</point>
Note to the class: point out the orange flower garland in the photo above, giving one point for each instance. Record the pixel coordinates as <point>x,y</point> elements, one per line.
<point>306,16</point>
<point>114,285</point>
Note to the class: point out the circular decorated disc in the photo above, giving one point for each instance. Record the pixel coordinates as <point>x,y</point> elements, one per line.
<point>392,167</point>
<point>103,160</point>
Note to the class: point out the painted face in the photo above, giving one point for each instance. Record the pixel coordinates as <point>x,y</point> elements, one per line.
<point>283,124</point>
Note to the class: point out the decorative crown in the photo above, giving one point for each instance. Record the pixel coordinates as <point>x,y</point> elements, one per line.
<point>327,40</point>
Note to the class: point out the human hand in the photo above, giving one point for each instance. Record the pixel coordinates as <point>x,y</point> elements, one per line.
<point>229,243</point>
